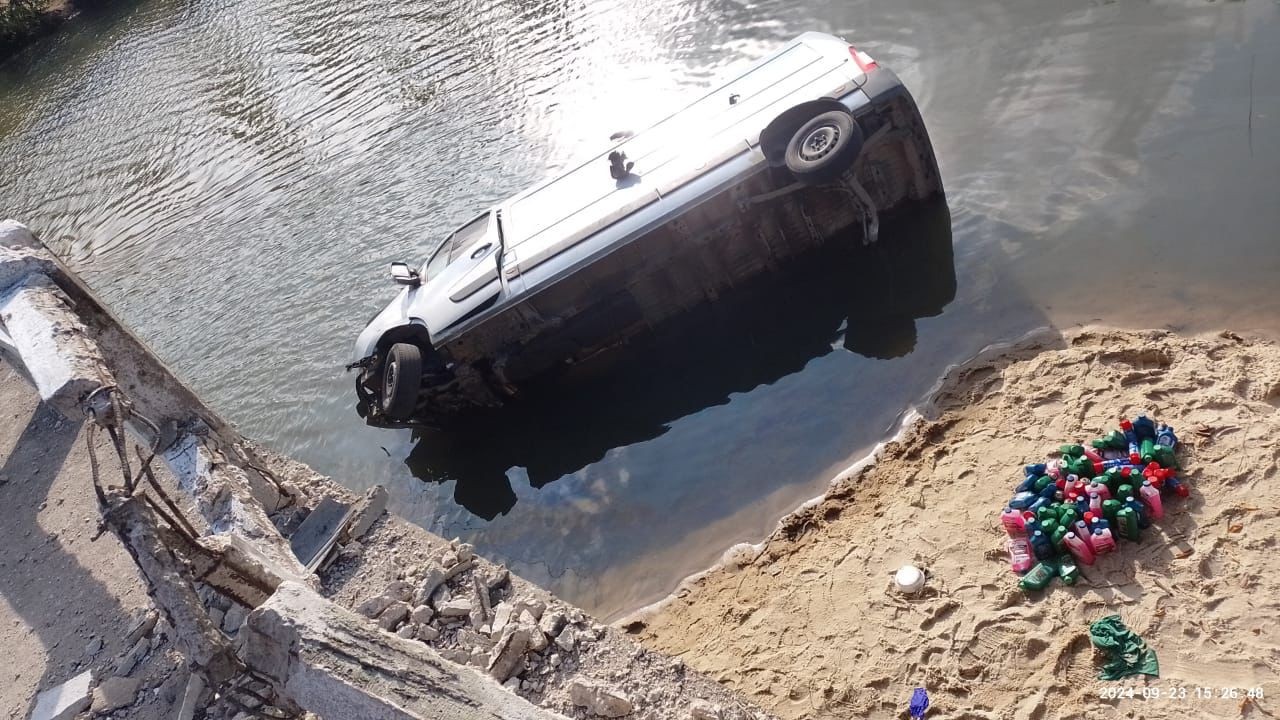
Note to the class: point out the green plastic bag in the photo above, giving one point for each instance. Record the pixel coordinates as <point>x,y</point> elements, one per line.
<point>1127,654</point>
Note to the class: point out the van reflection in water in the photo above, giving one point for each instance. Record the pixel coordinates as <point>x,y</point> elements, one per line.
<point>861,298</point>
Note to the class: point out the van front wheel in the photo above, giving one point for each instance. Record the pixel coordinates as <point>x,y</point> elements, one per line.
<point>824,147</point>
<point>401,381</point>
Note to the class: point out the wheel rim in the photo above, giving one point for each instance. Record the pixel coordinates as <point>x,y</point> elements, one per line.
<point>819,142</point>
<point>389,380</point>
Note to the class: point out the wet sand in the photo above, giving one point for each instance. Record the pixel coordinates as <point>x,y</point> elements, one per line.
<point>806,624</point>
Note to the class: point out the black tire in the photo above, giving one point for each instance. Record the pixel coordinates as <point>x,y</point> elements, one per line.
<point>401,381</point>
<point>824,147</point>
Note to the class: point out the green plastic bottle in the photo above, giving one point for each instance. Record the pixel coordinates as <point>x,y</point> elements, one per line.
<point>1039,577</point>
<point>1113,440</point>
<point>1068,571</point>
<point>1163,455</point>
<point>1127,521</point>
<point>1073,451</point>
<point>1043,482</point>
<point>1048,526</point>
<point>1110,508</point>
<point>1046,512</point>
<point>1068,516</point>
<point>1073,465</point>
<point>1059,534</point>
<point>1124,491</point>
<point>1147,448</point>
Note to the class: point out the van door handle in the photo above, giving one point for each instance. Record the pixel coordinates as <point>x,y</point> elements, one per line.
<point>480,251</point>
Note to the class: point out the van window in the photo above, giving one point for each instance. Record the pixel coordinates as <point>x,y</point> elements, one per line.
<point>461,239</point>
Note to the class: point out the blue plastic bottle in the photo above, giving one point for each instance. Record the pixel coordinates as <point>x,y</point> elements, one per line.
<point>1144,428</point>
<point>1165,437</point>
<point>1139,510</point>
<point>1042,546</point>
<point>1037,469</point>
<point>1023,500</point>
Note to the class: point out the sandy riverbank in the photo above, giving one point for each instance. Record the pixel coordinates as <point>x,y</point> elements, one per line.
<point>806,624</point>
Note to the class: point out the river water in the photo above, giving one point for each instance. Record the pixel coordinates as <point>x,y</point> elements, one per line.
<point>233,177</point>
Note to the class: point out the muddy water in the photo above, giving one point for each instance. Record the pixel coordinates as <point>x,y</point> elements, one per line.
<point>234,177</point>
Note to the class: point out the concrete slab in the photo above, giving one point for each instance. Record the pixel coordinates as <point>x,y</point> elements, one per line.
<point>64,701</point>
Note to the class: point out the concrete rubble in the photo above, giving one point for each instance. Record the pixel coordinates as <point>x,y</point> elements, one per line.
<point>65,701</point>
<point>114,693</point>
<point>323,655</point>
<point>396,623</point>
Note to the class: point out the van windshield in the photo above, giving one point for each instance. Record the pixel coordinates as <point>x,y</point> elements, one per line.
<point>452,247</point>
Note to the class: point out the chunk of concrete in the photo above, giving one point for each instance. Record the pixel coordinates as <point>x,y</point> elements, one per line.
<point>368,510</point>
<point>507,658</point>
<point>65,701</point>
<point>59,357</point>
<point>114,693</point>
<point>335,664</point>
<point>599,699</point>
<point>396,613</point>
<point>459,607</point>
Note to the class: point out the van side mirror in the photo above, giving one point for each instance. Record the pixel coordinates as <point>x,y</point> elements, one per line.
<point>405,275</point>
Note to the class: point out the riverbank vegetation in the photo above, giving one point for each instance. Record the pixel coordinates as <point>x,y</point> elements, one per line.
<point>21,21</point>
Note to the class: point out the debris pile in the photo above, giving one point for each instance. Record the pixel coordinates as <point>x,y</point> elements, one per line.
<point>1071,509</point>
<point>554,655</point>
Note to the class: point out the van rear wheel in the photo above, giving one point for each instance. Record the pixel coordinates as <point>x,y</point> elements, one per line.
<point>401,381</point>
<point>824,147</point>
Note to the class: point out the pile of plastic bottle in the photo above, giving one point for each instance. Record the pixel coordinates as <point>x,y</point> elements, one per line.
<point>1072,509</point>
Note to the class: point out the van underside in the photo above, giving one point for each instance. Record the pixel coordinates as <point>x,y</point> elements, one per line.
<point>756,226</point>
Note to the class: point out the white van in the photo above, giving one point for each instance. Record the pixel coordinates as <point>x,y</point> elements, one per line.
<point>799,147</point>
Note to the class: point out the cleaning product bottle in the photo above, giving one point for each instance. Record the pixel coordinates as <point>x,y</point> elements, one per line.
<point>1135,456</point>
<point>1127,521</point>
<point>1036,470</point>
<point>1068,571</point>
<point>1123,491</point>
<point>1177,486</point>
<point>1041,546</point>
<point>1053,468</point>
<point>1059,538</point>
<point>1022,500</point>
<point>1071,450</point>
<point>1139,512</point>
<point>1095,502</point>
<point>1115,440</point>
<point>1092,455</point>
<point>1078,548</point>
<point>1144,427</point>
<point>1110,508</point>
<point>1165,437</point>
<point>1020,555</point>
<point>1082,531</point>
<point>1068,516</point>
<point>1101,489</point>
<point>1039,577</point>
<point>1151,499</point>
<point>1147,448</point>
<point>1164,455</point>
<point>1102,541</point>
<point>1014,524</point>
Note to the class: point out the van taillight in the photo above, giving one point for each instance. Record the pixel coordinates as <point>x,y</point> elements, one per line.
<point>865,62</point>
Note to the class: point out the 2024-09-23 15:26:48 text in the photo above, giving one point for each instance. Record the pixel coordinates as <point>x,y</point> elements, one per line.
<point>1179,692</point>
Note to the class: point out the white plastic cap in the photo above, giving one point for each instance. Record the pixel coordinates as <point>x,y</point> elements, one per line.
<point>909,579</point>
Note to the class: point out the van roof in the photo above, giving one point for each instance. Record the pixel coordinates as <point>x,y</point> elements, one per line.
<point>586,198</point>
